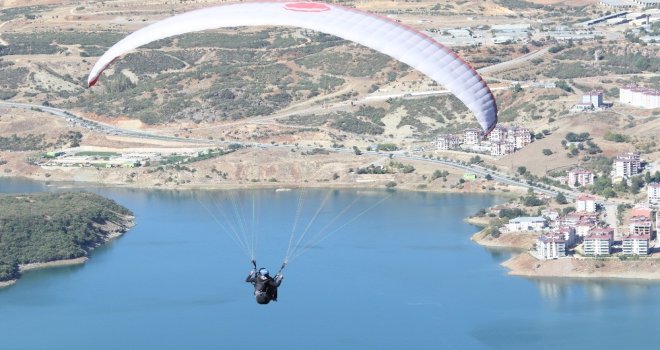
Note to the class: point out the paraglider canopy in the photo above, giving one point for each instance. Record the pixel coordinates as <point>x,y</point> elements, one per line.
<point>382,34</point>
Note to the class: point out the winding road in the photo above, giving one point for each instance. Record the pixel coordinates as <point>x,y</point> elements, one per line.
<point>113,130</point>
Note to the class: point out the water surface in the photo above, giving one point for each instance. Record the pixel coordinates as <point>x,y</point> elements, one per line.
<point>402,276</point>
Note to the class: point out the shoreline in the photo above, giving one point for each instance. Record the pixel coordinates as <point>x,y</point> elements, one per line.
<point>523,264</point>
<point>113,231</point>
<point>510,192</point>
<point>54,263</point>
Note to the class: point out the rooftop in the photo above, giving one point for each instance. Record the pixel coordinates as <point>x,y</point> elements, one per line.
<point>636,237</point>
<point>522,219</point>
<point>551,239</point>
<point>593,236</point>
<point>586,197</point>
<point>581,171</point>
<point>602,231</point>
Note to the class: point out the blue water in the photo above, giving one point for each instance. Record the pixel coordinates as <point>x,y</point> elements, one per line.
<point>402,276</point>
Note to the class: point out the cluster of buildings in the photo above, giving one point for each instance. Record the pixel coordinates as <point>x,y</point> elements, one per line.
<point>501,141</point>
<point>639,96</point>
<point>62,159</point>
<point>626,4</point>
<point>624,166</point>
<point>633,95</point>
<point>559,234</point>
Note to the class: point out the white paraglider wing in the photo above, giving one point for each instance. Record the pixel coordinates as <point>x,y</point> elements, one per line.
<point>401,42</point>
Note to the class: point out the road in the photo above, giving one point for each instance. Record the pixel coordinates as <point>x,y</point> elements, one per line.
<point>113,130</point>
<point>512,63</point>
<point>98,126</point>
<point>2,42</point>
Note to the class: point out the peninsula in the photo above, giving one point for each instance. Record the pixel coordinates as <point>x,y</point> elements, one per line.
<point>55,229</point>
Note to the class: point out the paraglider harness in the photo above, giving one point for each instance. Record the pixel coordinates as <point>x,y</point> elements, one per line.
<point>268,292</point>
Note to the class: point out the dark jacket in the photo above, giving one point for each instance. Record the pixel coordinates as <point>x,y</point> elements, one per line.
<point>265,287</point>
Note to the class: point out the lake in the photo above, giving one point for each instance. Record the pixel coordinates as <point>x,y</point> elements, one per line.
<point>401,274</point>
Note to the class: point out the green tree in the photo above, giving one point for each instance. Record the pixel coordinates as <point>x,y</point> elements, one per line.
<point>616,137</point>
<point>475,160</point>
<point>522,170</point>
<point>561,199</point>
<point>547,152</point>
<point>636,183</point>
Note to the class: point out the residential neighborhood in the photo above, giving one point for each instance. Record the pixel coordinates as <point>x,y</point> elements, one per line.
<point>501,141</point>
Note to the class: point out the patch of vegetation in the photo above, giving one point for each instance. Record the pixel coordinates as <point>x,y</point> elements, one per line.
<point>29,142</point>
<point>223,40</point>
<point>349,123</point>
<point>403,168</point>
<point>375,115</point>
<point>50,42</point>
<point>581,137</point>
<point>45,227</point>
<point>439,174</point>
<point>28,12</point>
<point>12,78</point>
<point>387,147</point>
<point>511,213</point>
<point>372,169</point>
<point>519,4</point>
<point>316,151</point>
<point>616,137</point>
<point>355,63</point>
<point>563,85</point>
<point>571,70</point>
<point>149,62</point>
<point>310,120</point>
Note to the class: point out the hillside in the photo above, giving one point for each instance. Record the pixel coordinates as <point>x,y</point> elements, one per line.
<point>288,86</point>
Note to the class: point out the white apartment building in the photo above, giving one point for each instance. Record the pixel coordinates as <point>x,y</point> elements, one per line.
<point>519,137</point>
<point>581,177</point>
<point>627,165</point>
<point>640,226</point>
<point>646,3</point>
<point>526,223</point>
<point>593,98</point>
<point>446,142</point>
<point>636,245</point>
<point>586,203</point>
<point>584,228</point>
<point>501,148</point>
<point>653,193</point>
<point>499,134</point>
<point>550,247</point>
<point>551,214</point>
<point>472,136</point>
<point>639,96</point>
<point>567,233</point>
<point>598,243</point>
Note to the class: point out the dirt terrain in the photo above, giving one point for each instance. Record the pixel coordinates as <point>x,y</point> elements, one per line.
<point>526,265</point>
<point>58,79</point>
